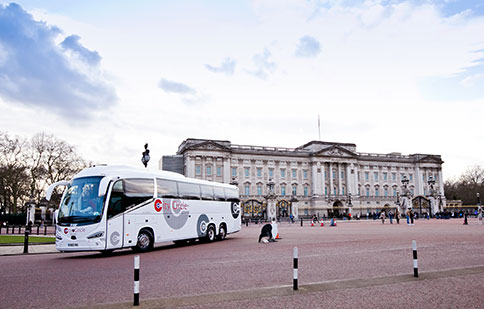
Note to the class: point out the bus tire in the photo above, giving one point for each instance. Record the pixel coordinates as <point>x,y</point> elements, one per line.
<point>210,233</point>
<point>222,232</point>
<point>144,241</point>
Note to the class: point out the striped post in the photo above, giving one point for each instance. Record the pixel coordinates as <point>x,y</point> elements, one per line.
<point>415,261</point>
<point>136,281</point>
<point>294,280</point>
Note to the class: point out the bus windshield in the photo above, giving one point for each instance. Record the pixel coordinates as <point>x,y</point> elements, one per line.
<point>81,203</point>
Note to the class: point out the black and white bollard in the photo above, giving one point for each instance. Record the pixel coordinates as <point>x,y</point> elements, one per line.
<point>136,281</point>
<point>415,261</point>
<point>294,280</point>
<point>301,221</point>
<point>26,242</point>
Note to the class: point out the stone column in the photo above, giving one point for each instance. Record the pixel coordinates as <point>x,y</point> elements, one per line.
<point>314,175</point>
<point>355,179</point>
<point>338,177</point>
<point>317,189</point>
<point>418,181</point>
<point>441,182</point>
<point>190,165</point>
<point>323,166</point>
<point>330,175</point>
<point>227,175</point>
<point>349,180</point>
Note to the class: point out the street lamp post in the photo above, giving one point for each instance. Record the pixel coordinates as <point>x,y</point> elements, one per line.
<point>271,208</point>
<point>145,156</point>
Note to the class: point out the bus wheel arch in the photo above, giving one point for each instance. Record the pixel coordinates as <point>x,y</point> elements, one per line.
<point>222,231</point>
<point>145,240</point>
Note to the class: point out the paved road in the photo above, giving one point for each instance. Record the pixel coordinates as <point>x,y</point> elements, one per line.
<point>359,263</point>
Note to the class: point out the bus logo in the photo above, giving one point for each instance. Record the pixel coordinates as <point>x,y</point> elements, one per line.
<point>66,230</point>
<point>158,205</point>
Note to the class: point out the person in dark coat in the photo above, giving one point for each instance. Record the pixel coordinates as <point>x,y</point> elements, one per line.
<point>266,231</point>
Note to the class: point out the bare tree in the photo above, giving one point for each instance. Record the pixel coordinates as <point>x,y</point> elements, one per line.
<point>466,186</point>
<point>50,160</point>
<point>28,168</point>
<point>13,175</point>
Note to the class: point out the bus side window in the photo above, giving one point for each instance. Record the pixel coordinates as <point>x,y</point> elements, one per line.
<point>166,188</point>
<point>232,195</point>
<point>116,200</point>
<point>137,191</point>
<point>219,194</point>
<point>189,191</point>
<point>207,193</point>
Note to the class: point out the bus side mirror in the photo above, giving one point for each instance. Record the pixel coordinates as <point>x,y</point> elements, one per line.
<point>103,186</point>
<point>50,189</point>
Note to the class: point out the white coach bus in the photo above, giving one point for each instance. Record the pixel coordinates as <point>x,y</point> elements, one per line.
<point>112,207</point>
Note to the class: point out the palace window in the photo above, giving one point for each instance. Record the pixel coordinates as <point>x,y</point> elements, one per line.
<point>306,190</point>
<point>209,170</point>
<point>394,192</point>
<point>283,173</point>
<point>271,172</point>
<point>259,190</point>
<point>234,172</point>
<point>367,176</point>
<point>259,172</point>
<point>294,190</point>
<point>247,190</point>
<point>334,190</point>
<point>377,192</point>
<point>283,190</point>
<point>385,176</point>
<point>246,171</point>
<point>410,176</point>
<point>219,171</point>
<point>386,191</point>
<point>375,176</point>
<point>334,174</point>
<point>198,170</point>
<point>294,173</point>
<point>367,192</point>
<point>305,174</point>
<point>394,176</point>
<point>342,174</point>
<point>343,192</point>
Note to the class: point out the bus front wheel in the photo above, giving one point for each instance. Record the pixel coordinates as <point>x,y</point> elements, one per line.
<point>145,241</point>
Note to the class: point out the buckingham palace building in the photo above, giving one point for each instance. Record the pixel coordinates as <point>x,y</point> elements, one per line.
<point>322,178</point>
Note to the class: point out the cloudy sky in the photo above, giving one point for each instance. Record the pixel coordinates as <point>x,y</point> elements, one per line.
<point>108,76</point>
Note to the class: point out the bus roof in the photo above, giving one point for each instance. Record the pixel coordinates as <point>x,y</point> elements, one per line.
<point>122,171</point>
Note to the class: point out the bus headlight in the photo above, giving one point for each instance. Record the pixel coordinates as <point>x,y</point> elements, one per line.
<point>58,237</point>
<point>96,235</point>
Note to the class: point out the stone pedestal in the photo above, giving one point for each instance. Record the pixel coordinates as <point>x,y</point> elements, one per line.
<point>271,209</point>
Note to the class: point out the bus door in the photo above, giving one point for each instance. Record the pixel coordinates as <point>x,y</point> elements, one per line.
<point>115,217</point>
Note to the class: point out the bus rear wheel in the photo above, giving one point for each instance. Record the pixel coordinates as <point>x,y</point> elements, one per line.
<point>145,241</point>
<point>210,233</point>
<point>222,232</point>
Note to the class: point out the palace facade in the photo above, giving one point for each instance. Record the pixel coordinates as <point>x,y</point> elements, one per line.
<point>321,178</point>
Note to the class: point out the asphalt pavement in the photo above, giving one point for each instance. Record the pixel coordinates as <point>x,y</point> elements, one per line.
<point>363,264</point>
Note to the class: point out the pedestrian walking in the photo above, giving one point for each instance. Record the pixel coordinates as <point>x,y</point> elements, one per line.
<point>397,216</point>
<point>411,214</point>
<point>479,215</point>
<point>390,215</point>
<point>382,216</point>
